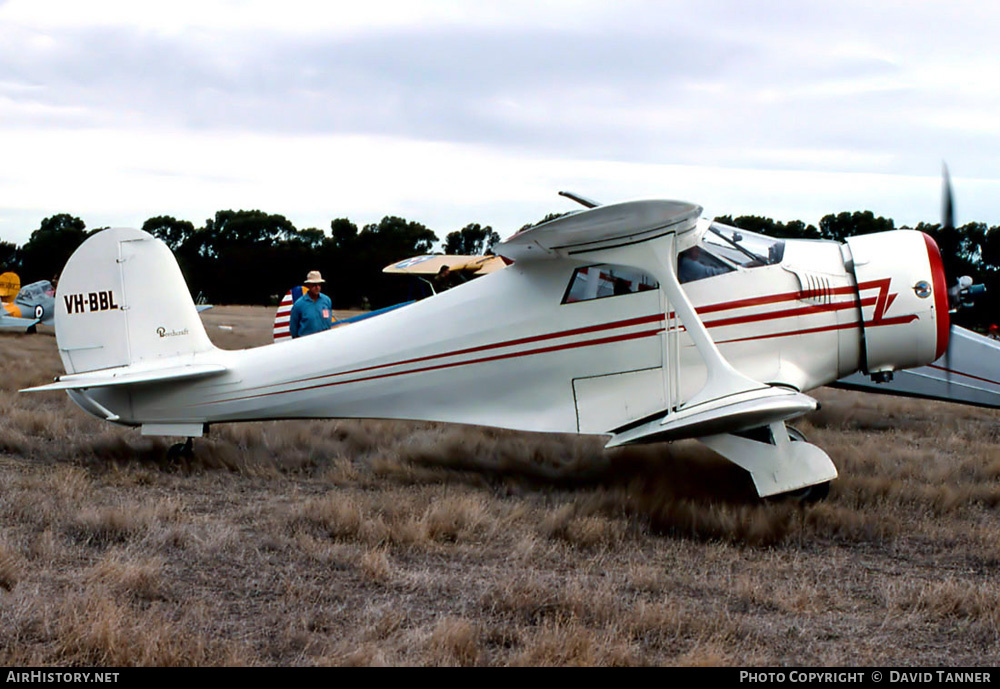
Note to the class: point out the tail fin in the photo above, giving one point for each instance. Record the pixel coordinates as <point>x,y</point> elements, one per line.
<point>283,316</point>
<point>10,285</point>
<point>122,300</point>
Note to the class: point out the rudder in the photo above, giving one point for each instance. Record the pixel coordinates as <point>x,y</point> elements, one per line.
<point>121,300</point>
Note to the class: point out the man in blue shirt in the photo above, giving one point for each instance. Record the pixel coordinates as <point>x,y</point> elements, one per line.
<point>313,311</point>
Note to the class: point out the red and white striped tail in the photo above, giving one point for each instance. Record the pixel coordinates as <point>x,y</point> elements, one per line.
<point>284,313</point>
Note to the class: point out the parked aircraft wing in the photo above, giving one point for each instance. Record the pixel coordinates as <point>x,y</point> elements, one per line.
<point>969,373</point>
<point>15,323</point>
<point>432,263</point>
<point>603,227</point>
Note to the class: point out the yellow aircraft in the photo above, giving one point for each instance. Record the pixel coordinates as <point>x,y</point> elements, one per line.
<point>444,270</point>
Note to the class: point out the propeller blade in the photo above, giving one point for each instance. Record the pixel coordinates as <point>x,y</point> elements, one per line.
<point>947,208</point>
<point>947,226</point>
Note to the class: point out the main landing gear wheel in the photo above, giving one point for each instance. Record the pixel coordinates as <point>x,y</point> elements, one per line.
<point>181,452</point>
<point>809,494</point>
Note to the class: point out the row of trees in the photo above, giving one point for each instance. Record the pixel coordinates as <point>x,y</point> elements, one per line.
<point>252,257</point>
<point>972,249</point>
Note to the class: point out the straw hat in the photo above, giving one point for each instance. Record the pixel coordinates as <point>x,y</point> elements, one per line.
<point>314,278</point>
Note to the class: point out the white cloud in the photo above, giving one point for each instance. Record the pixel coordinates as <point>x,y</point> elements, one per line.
<point>336,17</point>
<point>454,112</point>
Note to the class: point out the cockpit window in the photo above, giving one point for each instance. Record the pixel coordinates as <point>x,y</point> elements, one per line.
<point>723,247</point>
<point>697,263</point>
<point>597,282</point>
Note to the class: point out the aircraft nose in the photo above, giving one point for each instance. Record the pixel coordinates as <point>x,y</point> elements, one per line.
<point>904,298</point>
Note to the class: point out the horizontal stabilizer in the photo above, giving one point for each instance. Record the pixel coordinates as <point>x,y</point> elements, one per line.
<point>129,375</point>
<point>729,414</point>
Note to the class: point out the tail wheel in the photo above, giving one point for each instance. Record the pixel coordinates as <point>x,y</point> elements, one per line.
<point>181,452</point>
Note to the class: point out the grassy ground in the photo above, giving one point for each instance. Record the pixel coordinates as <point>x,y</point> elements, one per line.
<point>370,543</point>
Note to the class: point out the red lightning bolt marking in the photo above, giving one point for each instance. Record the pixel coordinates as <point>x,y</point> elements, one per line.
<point>884,299</point>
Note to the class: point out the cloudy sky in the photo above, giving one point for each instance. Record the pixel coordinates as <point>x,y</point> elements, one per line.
<point>455,112</point>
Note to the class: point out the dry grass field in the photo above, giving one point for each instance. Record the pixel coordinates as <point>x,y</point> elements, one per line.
<point>388,543</point>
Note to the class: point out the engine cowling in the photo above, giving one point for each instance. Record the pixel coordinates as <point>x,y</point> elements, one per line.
<point>903,297</point>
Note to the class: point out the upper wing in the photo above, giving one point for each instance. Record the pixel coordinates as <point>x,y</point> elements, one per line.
<point>603,227</point>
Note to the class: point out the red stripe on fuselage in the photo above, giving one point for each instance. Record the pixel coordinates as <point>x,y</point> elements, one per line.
<point>898,320</point>
<point>788,313</point>
<point>436,367</point>
<point>848,290</point>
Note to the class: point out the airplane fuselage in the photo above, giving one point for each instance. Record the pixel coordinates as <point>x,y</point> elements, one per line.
<point>513,349</point>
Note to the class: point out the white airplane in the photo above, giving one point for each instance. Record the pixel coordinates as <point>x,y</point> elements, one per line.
<point>640,321</point>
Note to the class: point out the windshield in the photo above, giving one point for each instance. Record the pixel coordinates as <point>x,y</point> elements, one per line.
<point>743,248</point>
<point>37,290</point>
<point>723,247</point>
